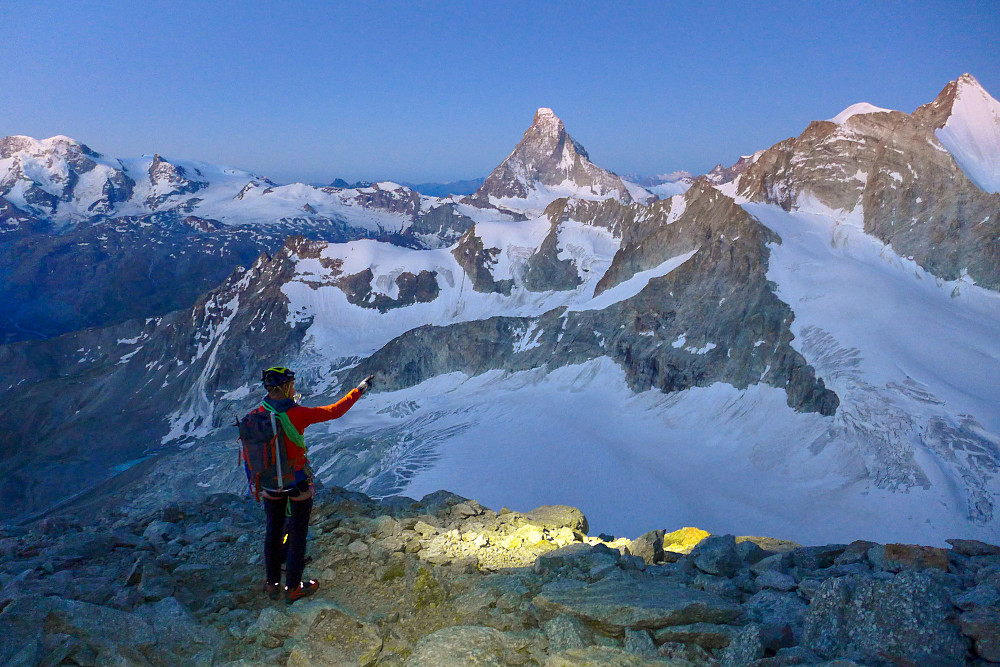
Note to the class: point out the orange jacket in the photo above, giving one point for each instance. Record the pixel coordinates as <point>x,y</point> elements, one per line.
<point>301,417</point>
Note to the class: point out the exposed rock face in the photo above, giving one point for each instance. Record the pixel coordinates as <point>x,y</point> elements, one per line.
<point>419,288</point>
<point>892,168</point>
<point>181,585</point>
<point>548,156</point>
<point>699,324</point>
<point>169,364</point>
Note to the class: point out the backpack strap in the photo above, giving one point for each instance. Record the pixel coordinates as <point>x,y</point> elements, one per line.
<point>277,453</point>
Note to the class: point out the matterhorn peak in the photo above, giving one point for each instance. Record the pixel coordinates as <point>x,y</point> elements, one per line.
<point>547,164</point>
<point>546,119</point>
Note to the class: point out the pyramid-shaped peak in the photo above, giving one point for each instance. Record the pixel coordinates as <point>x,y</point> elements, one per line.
<point>548,163</point>
<point>546,116</point>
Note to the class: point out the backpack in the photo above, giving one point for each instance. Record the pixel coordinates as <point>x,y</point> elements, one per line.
<point>262,452</point>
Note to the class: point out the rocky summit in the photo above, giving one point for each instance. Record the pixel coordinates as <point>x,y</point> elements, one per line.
<point>445,581</point>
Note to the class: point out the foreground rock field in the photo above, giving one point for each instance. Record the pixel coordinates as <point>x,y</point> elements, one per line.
<point>445,581</point>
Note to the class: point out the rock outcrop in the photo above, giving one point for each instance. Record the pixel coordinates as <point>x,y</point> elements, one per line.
<point>446,581</point>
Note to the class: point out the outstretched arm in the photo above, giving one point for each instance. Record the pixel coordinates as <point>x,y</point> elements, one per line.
<point>302,416</point>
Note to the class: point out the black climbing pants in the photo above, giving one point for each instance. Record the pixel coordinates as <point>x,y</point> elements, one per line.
<point>297,527</point>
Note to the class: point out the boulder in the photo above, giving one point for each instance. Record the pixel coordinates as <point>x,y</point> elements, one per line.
<point>898,557</point>
<point>99,626</point>
<point>459,646</point>
<point>973,548</point>
<point>614,605</point>
<point>717,555</point>
<point>745,648</point>
<point>982,625</point>
<point>856,552</point>
<point>749,552</point>
<point>649,547</point>
<point>983,595</point>
<point>559,516</point>
<point>775,611</point>
<point>780,562</point>
<point>271,628</point>
<point>909,617</point>
<point>335,637</point>
<point>777,580</point>
<point>566,632</point>
<point>817,558</point>
<point>639,642</point>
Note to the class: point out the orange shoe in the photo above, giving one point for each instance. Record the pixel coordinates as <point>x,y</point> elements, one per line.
<point>273,590</point>
<point>305,589</point>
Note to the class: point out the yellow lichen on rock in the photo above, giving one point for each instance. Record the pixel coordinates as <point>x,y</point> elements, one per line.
<point>683,541</point>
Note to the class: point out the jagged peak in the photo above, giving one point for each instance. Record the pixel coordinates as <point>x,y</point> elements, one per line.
<point>547,118</point>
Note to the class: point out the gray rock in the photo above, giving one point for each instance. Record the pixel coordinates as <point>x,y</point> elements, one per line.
<point>566,632</point>
<point>721,586</point>
<point>772,609</point>
<point>580,555</point>
<point>559,516</point>
<point>717,555</point>
<point>271,628</point>
<point>777,580</point>
<point>160,532</point>
<point>746,647</point>
<point>334,637</point>
<point>982,625</point>
<point>706,635</point>
<point>750,552</point>
<point>856,552</point>
<point>649,546</point>
<point>99,626</point>
<point>176,626</point>
<point>808,587</point>
<point>386,526</point>
<point>817,558</point>
<point>640,643</point>
<point>780,562</point>
<point>908,616</point>
<point>459,646</point>
<point>973,548</point>
<point>156,584</point>
<point>614,605</point>
<point>983,595</point>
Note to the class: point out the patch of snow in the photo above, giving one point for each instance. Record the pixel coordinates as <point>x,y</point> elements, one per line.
<point>856,109</point>
<point>972,135</point>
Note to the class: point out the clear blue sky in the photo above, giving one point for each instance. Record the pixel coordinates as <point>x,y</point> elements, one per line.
<point>440,91</point>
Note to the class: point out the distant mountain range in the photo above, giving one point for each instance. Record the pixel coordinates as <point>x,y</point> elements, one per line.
<point>802,344</point>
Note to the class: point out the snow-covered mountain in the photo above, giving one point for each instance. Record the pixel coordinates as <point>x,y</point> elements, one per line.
<point>548,164</point>
<point>764,350</point>
<point>74,222</point>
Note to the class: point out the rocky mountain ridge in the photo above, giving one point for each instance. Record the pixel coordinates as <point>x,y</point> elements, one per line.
<point>888,172</point>
<point>446,581</point>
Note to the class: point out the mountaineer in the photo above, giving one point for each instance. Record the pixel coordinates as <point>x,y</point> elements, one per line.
<point>282,475</point>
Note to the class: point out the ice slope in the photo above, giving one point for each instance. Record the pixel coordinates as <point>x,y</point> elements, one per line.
<point>340,329</point>
<point>914,359</point>
<point>972,134</point>
<point>726,460</point>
